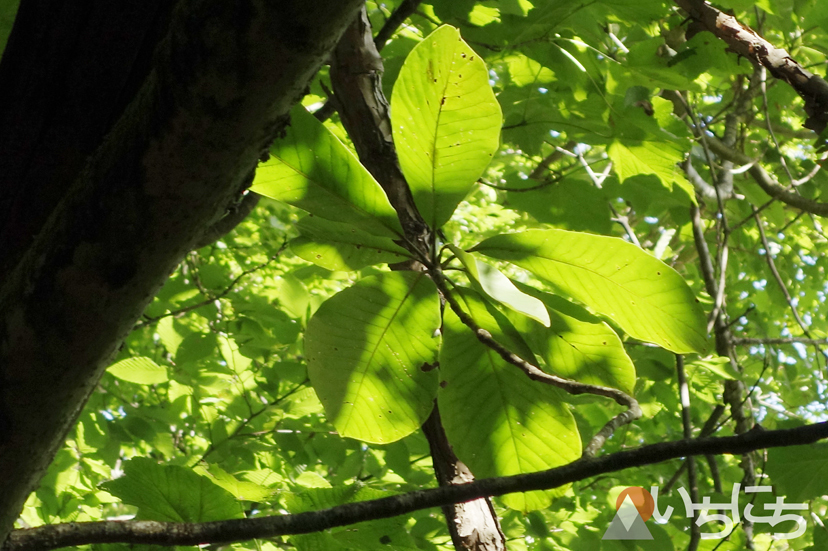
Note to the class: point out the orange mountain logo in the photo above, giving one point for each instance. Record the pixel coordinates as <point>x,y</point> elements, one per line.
<point>634,506</point>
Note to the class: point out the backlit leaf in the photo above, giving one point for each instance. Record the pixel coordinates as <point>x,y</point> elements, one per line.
<point>577,345</point>
<point>369,349</point>
<point>661,158</point>
<point>336,246</point>
<point>311,169</point>
<point>498,287</point>
<point>645,297</point>
<point>139,370</point>
<point>172,493</point>
<point>499,421</point>
<point>446,122</point>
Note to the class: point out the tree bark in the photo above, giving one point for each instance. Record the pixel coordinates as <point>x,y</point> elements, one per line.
<point>131,172</point>
<point>473,525</point>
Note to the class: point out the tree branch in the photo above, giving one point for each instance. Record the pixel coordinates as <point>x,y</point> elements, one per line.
<point>766,181</point>
<point>356,75</point>
<point>405,10</point>
<point>169,534</point>
<point>748,43</point>
<point>473,524</point>
<point>221,83</point>
<point>778,340</point>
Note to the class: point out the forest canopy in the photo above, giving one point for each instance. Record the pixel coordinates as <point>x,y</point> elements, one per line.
<point>494,238</point>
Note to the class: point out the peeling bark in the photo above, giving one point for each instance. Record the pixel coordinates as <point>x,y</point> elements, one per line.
<point>472,524</point>
<point>356,76</point>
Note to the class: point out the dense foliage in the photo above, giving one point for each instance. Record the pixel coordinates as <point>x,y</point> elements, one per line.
<point>579,165</point>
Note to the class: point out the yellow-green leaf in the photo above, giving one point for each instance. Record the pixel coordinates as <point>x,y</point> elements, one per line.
<point>139,370</point>
<point>446,122</point>
<point>645,297</point>
<point>369,349</point>
<point>311,169</point>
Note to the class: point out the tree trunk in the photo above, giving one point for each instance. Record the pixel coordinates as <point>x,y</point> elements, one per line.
<point>119,151</point>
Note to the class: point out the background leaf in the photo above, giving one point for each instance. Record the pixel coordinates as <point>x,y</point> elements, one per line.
<point>799,472</point>
<point>446,122</point>
<point>661,158</point>
<point>140,370</point>
<point>240,489</point>
<point>644,296</point>
<point>170,493</point>
<point>366,349</point>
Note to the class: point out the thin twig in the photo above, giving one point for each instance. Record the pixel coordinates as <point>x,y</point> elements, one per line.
<point>781,283</point>
<point>556,155</point>
<point>209,300</point>
<point>750,218</point>
<point>624,222</point>
<point>779,340</point>
<point>405,10</point>
<point>687,429</point>
<point>213,446</point>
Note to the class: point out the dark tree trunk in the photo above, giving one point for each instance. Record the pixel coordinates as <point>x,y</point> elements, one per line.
<point>126,129</point>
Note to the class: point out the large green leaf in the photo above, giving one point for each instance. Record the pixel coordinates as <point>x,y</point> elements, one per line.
<point>171,493</point>
<point>499,421</point>
<point>645,297</point>
<point>577,345</point>
<point>337,246</point>
<point>493,283</point>
<point>446,122</point>
<point>311,169</point>
<point>368,350</point>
